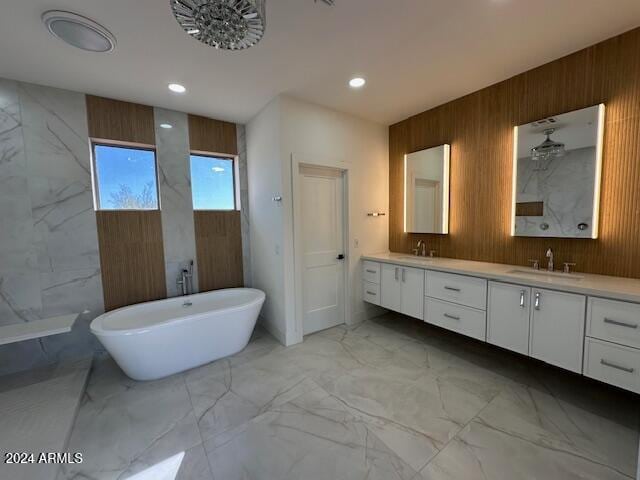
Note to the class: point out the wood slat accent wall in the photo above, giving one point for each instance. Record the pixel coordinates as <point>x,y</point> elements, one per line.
<point>215,136</point>
<point>131,257</point>
<point>479,128</point>
<point>131,246</point>
<point>120,121</point>
<point>218,249</point>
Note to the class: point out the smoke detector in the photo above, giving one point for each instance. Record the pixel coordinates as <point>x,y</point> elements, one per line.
<point>78,31</point>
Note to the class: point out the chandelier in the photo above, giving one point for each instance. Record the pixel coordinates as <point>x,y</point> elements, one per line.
<point>225,24</point>
<point>549,149</point>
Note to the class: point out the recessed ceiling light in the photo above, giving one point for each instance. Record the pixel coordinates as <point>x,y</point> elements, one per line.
<point>79,31</point>
<point>357,82</point>
<point>177,88</point>
<point>166,125</point>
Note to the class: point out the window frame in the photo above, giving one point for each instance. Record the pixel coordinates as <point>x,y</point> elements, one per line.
<point>95,180</point>
<point>234,179</point>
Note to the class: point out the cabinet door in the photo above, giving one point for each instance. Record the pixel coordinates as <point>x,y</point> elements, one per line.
<point>390,287</point>
<point>412,297</point>
<point>508,316</point>
<point>557,328</point>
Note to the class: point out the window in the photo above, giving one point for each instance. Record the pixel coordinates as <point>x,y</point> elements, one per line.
<point>213,183</point>
<point>125,178</point>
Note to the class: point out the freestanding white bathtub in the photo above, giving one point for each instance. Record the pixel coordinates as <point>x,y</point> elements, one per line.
<point>155,339</point>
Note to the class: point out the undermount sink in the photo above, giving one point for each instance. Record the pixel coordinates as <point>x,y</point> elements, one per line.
<point>417,257</point>
<point>546,273</point>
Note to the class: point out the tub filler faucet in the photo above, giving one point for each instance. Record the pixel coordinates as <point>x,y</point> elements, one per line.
<point>185,279</point>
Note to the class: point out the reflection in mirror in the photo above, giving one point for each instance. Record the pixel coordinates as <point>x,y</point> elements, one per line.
<point>556,175</point>
<point>426,191</point>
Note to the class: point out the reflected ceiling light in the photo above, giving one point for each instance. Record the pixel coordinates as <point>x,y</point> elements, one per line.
<point>225,24</point>
<point>78,31</point>
<point>357,82</point>
<point>177,88</point>
<point>166,125</point>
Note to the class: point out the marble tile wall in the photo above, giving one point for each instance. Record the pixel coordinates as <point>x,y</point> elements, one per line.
<point>49,261</point>
<point>172,153</point>
<point>49,258</point>
<point>244,202</point>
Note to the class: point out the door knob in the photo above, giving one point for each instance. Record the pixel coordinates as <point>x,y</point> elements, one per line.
<point>340,257</point>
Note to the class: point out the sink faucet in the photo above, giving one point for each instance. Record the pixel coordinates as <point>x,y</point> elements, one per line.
<point>550,257</point>
<point>421,248</point>
<point>184,279</point>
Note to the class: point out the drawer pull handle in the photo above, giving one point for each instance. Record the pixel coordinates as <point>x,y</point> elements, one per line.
<point>371,293</point>
<point>536,304</point>
<point>452,317</point>
<point>522,292</point>
<point>607,363</point>
<point>371,271</point>
<point>620,324</point>
<point>453,289</point>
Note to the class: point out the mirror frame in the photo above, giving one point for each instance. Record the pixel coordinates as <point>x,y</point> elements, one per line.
<point>595,222</point>
<point>445,190</point>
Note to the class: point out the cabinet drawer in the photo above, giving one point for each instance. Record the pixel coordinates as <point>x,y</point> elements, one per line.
<point>371,293</point>
<point>371,272</point>
<point>464,320</point>
<point>613,364</point>
<point>614,321</point>
<point>469,291</point>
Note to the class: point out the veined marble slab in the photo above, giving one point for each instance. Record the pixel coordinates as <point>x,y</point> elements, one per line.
<point>618,288</point>
<point>19,332</point>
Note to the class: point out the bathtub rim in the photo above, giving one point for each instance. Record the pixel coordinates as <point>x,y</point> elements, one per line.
<point>96,323</point>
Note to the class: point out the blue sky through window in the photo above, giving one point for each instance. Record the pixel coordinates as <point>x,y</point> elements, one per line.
<point>212,183</point>
<point>126,178</point>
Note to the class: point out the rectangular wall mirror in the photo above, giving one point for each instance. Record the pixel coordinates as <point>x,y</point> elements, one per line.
<point>426,190</point>
<point>556,175</point>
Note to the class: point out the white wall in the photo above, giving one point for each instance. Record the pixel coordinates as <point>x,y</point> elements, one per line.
<point>264,172</point>
<point>317,135</point>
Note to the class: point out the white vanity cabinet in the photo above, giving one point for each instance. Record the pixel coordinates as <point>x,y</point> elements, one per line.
<point>612,348</point>
<point>571,329</point>
<point>556,333</point>
<point>508,312</point>
<point>402,289</point>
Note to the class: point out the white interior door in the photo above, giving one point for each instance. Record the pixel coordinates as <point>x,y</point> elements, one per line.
<point>321,193</point>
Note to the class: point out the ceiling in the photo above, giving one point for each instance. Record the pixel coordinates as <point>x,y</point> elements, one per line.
<point>415,54</point>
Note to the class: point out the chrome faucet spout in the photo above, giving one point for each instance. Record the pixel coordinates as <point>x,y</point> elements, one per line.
<point>550,257</point>
<point>185,278</point>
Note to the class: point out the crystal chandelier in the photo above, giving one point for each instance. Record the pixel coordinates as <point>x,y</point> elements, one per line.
<point>549,149</point>
<point>225,24</point>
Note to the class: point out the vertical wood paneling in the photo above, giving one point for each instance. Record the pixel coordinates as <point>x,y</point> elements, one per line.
<point>209,135</point>
<point>120,121</point>
<point>479,128</point>
<point>218,249</point>
<point>131,257</point>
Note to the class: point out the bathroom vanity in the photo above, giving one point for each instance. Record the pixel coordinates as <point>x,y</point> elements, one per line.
<point>588,324</point>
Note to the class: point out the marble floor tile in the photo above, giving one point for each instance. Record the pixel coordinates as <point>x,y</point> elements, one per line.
<point>551,422</point>
<point>481,452</point>
<point>224,395</point>
<point>387,399</point>
<point>312,437</point>
<point>124,433</point>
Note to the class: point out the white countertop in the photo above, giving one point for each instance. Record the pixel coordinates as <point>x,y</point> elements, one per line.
<point>585,283</point>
